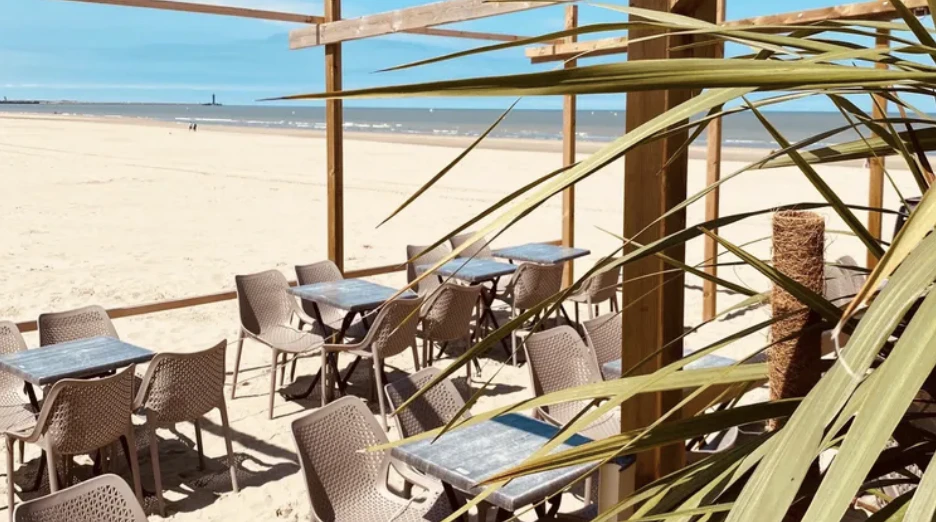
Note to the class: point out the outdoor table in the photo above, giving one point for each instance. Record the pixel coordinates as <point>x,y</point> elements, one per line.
<point>465,457</point>
<point>356,296</point>
<point>476,271</point>
<point>612,370</point>
<point>74,359</point>
<point>540,253</point>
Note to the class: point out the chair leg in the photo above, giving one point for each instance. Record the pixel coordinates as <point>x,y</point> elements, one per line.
<point>325,377</point>
<point>591,309</point>
<point>415,357</point>
<point>227,443</point>
<point>283,364</point>
<point>292,371</point>
<point>9,470</point>
<point>157,474</point>
<point>513,338</point>
<point>22,451</point>
<point>273,381</point>
<point>378,379</point>
<point>577,321</point>
<point>134,464</point>
<point>614,304</point>
<point>237,359</point>
<point>53,472</point>
<point>200,446</point>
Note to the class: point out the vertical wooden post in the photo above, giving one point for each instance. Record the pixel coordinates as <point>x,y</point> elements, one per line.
<point>713,174</point>
<point>653,312</point>
<point>568,155</point>
<point>334,143</point>
<point>876,184</point>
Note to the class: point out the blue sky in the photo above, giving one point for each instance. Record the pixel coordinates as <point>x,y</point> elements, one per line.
<point>56,49</point>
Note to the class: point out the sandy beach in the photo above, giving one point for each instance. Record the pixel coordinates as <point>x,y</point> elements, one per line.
<point>120,213</point>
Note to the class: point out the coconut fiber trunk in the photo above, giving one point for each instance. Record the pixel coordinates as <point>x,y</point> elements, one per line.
<point>798,244</point>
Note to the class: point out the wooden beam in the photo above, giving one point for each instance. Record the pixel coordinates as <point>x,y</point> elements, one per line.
<point>568,156</point>
<point>222,10</point>
<point>334,143</point>
<point>876,182</point>
<point>469,35</point>
<point>878,10</point>
<point>713,174</point>
<point>403,20</point>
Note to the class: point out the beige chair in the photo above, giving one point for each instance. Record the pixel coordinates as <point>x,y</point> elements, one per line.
<point>479,249</point>
<point>604,336</point>
<point>529,286</point>
<point>597,289</point>
<point>841,286</point>
<point>392,332</point>
<point>266,314</point>
<point>15,414</point>
<point>100,499</point>
<point>184,387</point>
<point>81,416</point>
<point>558,360</point>
<point>348,483</point>
<point>82,323</point>
<point>433,409</point>
<point>321,272</point>
<point>427,285</point>
<point>450,314</point>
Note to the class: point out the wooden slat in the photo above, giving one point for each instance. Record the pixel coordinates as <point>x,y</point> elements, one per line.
<point>403,20</point>
<point>334,143</point>
<point>876,182</point>
<point>878,10</point>
<point>222,10</point>
<point>568,157</point>
<point>469,35</point>
<point>713,174</point>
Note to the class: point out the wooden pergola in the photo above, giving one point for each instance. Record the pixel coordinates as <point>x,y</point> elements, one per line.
<point>647,195</point>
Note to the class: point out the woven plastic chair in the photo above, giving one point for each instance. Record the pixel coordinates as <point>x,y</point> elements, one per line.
<point>184,387</point>
<point>392,332</point>
<point>81,416</point>
<point>81,323</point>
<point>597,289</point>
<point>429,284</point>
<point>841,283</point>
<point>323,272</point>
<point>558,360</point>
<point>450,314</point>
<point>479,249</point>
<point>433,409</point>
<point>604,336</point>
<point>100,499</point>
<point>15,414</point>
<point>266,314</point>
<point>347,483</point>
<point>529,286</point>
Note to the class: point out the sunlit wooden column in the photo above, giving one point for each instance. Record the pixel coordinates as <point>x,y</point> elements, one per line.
<point>653,312</point>
<point>334,143</point>
<point>568,155</point>
<point>713,158</point>
<point>876,183</point>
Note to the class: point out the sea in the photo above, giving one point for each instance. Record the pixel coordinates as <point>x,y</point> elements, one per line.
<point>741,130</point>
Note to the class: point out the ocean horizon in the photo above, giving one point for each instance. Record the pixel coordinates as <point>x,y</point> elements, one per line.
<point>741,130</point>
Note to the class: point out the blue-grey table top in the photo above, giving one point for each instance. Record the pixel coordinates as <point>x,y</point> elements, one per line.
<point>81,358</point>
<point>472,270</point>
<point>542,253</point>
<point>612,370</point>
<point>353,295</point>
<point>467,456</point>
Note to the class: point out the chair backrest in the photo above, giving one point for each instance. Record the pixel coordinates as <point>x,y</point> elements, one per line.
<point>532,284</point>
<point>604,336</point>
<point>321,272</point>
<point>602,286</point>
<point>433,256</point>
<point>394,329</point>
<point>81,323</point>
<point>479,249</point>
<point>448,312</point>
<point>842,284</point>
<point>107,498</point>
<point>341,477</point>
<point>179,387</point>
<point>558,360</point>
<point>263,300</point>
<point>11,341</point>
<point>82,415</point>
<point>433,409</point>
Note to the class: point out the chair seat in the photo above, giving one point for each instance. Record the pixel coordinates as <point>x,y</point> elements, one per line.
<point>288,339</point>
<point>16,417</point>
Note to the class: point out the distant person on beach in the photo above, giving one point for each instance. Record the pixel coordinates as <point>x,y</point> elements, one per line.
<point>195,127</point>
<point>190,127</point>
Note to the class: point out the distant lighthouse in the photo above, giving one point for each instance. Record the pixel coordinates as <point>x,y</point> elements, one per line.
<point>213,99</point>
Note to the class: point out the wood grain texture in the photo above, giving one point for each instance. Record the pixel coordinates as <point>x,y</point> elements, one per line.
<point>334,143</point>
<point>540,253</point>
<point>473,270</point>
<point>712,199</point>
<point>568,155</point>
<point>189,7</point>
<point>876,170</point>
<point>353,295</point>
<point>403,20</point>
<point>80,358</point>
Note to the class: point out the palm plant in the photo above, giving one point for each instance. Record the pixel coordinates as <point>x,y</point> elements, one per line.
<point>861,413</point>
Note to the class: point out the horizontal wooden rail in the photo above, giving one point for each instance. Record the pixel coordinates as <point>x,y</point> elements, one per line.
<point>188,7</point>
<point>188,302</point>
